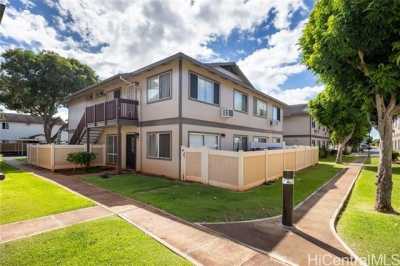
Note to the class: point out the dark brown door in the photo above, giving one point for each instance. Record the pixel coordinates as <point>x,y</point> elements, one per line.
<point>131,152</point>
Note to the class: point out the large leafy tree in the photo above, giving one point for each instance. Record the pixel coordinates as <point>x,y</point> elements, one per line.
<point>354,45</point>
<point>37,83</point>
<point>344,117</point>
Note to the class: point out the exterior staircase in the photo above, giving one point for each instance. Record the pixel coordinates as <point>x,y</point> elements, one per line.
<point>106,114</point>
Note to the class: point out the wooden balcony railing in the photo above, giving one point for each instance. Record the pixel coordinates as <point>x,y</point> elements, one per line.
<point>114,110</point>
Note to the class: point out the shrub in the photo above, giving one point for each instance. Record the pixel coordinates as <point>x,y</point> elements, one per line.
<point>81,158</point>
<point>395,155</point>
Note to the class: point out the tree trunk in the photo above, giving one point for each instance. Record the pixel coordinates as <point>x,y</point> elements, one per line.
<point>342,146</point>
<point>383,201</point>
<point>384,176</point>
<point>339,155</point>
<point>47,128</point>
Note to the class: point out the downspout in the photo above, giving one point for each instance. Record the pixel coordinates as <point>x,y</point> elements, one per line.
<point>310,129</point>
<point>180,117</point>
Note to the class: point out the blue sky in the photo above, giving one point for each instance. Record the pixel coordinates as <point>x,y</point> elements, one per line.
<point>122,35</point>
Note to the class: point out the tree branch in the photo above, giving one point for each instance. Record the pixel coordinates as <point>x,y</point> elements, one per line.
<point>363,65</point>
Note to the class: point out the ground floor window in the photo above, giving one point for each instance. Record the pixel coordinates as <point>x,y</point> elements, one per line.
<point>240,143</point>
<point>111,147</point>
<point>159,145</point>
<point>197,140</point>
<point>260,139</point>
<point>276,140</point>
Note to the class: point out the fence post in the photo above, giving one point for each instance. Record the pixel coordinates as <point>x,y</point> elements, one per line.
<point>183,163</point>
<point>52,156</point>
<point>104,154</point>
<point>241,170</point>
<point>37,154</point>
<point>266,165</point>
<point>204,164</point>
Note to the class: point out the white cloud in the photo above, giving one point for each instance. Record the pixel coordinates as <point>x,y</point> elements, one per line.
<point>298,95</point>
<point>139,32</point>
<point>136,33</point>
<point>270,67</point>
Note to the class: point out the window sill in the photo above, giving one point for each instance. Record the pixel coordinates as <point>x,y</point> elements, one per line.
<point>160,100</point>
<point>199,101</point>
<point>158,158</point>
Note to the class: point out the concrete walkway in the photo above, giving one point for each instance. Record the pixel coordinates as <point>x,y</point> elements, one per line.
<point>196,243</point>
<point>313,240</point>
<point>17,230</point>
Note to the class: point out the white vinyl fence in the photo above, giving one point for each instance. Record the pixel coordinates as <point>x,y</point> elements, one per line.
<point>53,156</point>
<point>243,170</point>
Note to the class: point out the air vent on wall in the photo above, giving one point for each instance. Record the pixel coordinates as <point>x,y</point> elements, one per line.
<point>226,112</point>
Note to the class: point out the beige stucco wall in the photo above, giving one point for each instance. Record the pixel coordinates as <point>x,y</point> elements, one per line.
<point>227,140</point>
<point>169,168</point>
<point>297,130</point>
<point>203,111</point>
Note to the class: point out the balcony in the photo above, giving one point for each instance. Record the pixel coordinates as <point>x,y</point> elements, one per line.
<point>121,110</point>
<point>114,112</point>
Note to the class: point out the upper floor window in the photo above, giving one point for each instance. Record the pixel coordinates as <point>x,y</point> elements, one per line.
<point>260,108</point>
<point>312,123</point>
<point>239,101</point>
<point>5,125</point>
<point>276,113</point>
<point>203,89</point>
<point>159,87</point>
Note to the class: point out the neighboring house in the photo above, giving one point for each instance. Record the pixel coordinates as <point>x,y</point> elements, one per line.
<point>396,133</point>
<point>301,129</point>
<point>175,102</point>
<point>15,127</point>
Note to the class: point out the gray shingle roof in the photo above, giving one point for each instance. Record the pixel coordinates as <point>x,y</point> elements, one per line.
<point>21,118</point>
<point>296,109</point>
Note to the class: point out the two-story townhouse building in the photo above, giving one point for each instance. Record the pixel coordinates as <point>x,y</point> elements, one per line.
<point>301,129</point>
<point>15,127</point>
<point>145,116</point>
<point>396,133</point>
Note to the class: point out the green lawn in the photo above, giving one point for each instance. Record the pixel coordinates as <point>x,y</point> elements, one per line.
<point>197,203</point>
<point>108,241</point>
<point>25,196</point>
<point>365,230</point>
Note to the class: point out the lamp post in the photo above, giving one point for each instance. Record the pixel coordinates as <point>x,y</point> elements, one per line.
<point>287,198</point>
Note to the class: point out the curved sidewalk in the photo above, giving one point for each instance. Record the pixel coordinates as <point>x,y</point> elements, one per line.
<point>312,240</point>
<point>198,244</point>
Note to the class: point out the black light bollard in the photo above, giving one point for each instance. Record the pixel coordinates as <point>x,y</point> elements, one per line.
<point>287,198</point>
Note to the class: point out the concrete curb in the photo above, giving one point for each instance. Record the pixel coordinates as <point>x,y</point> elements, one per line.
<point>336,216</point>
<point>338,174</point>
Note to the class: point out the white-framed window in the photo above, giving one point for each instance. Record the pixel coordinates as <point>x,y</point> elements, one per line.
<point>197,140</point>
<point>259,139</point>
<point>111,149</point>
<point>159,87</point>
<point>260,108</point>
<point>276,140</point>
<point>5,125</point>
<point>240,143</point>
<point>239,101</point>
<point>159,145</point>
<point>203,89</point>
<point>276,113</point>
